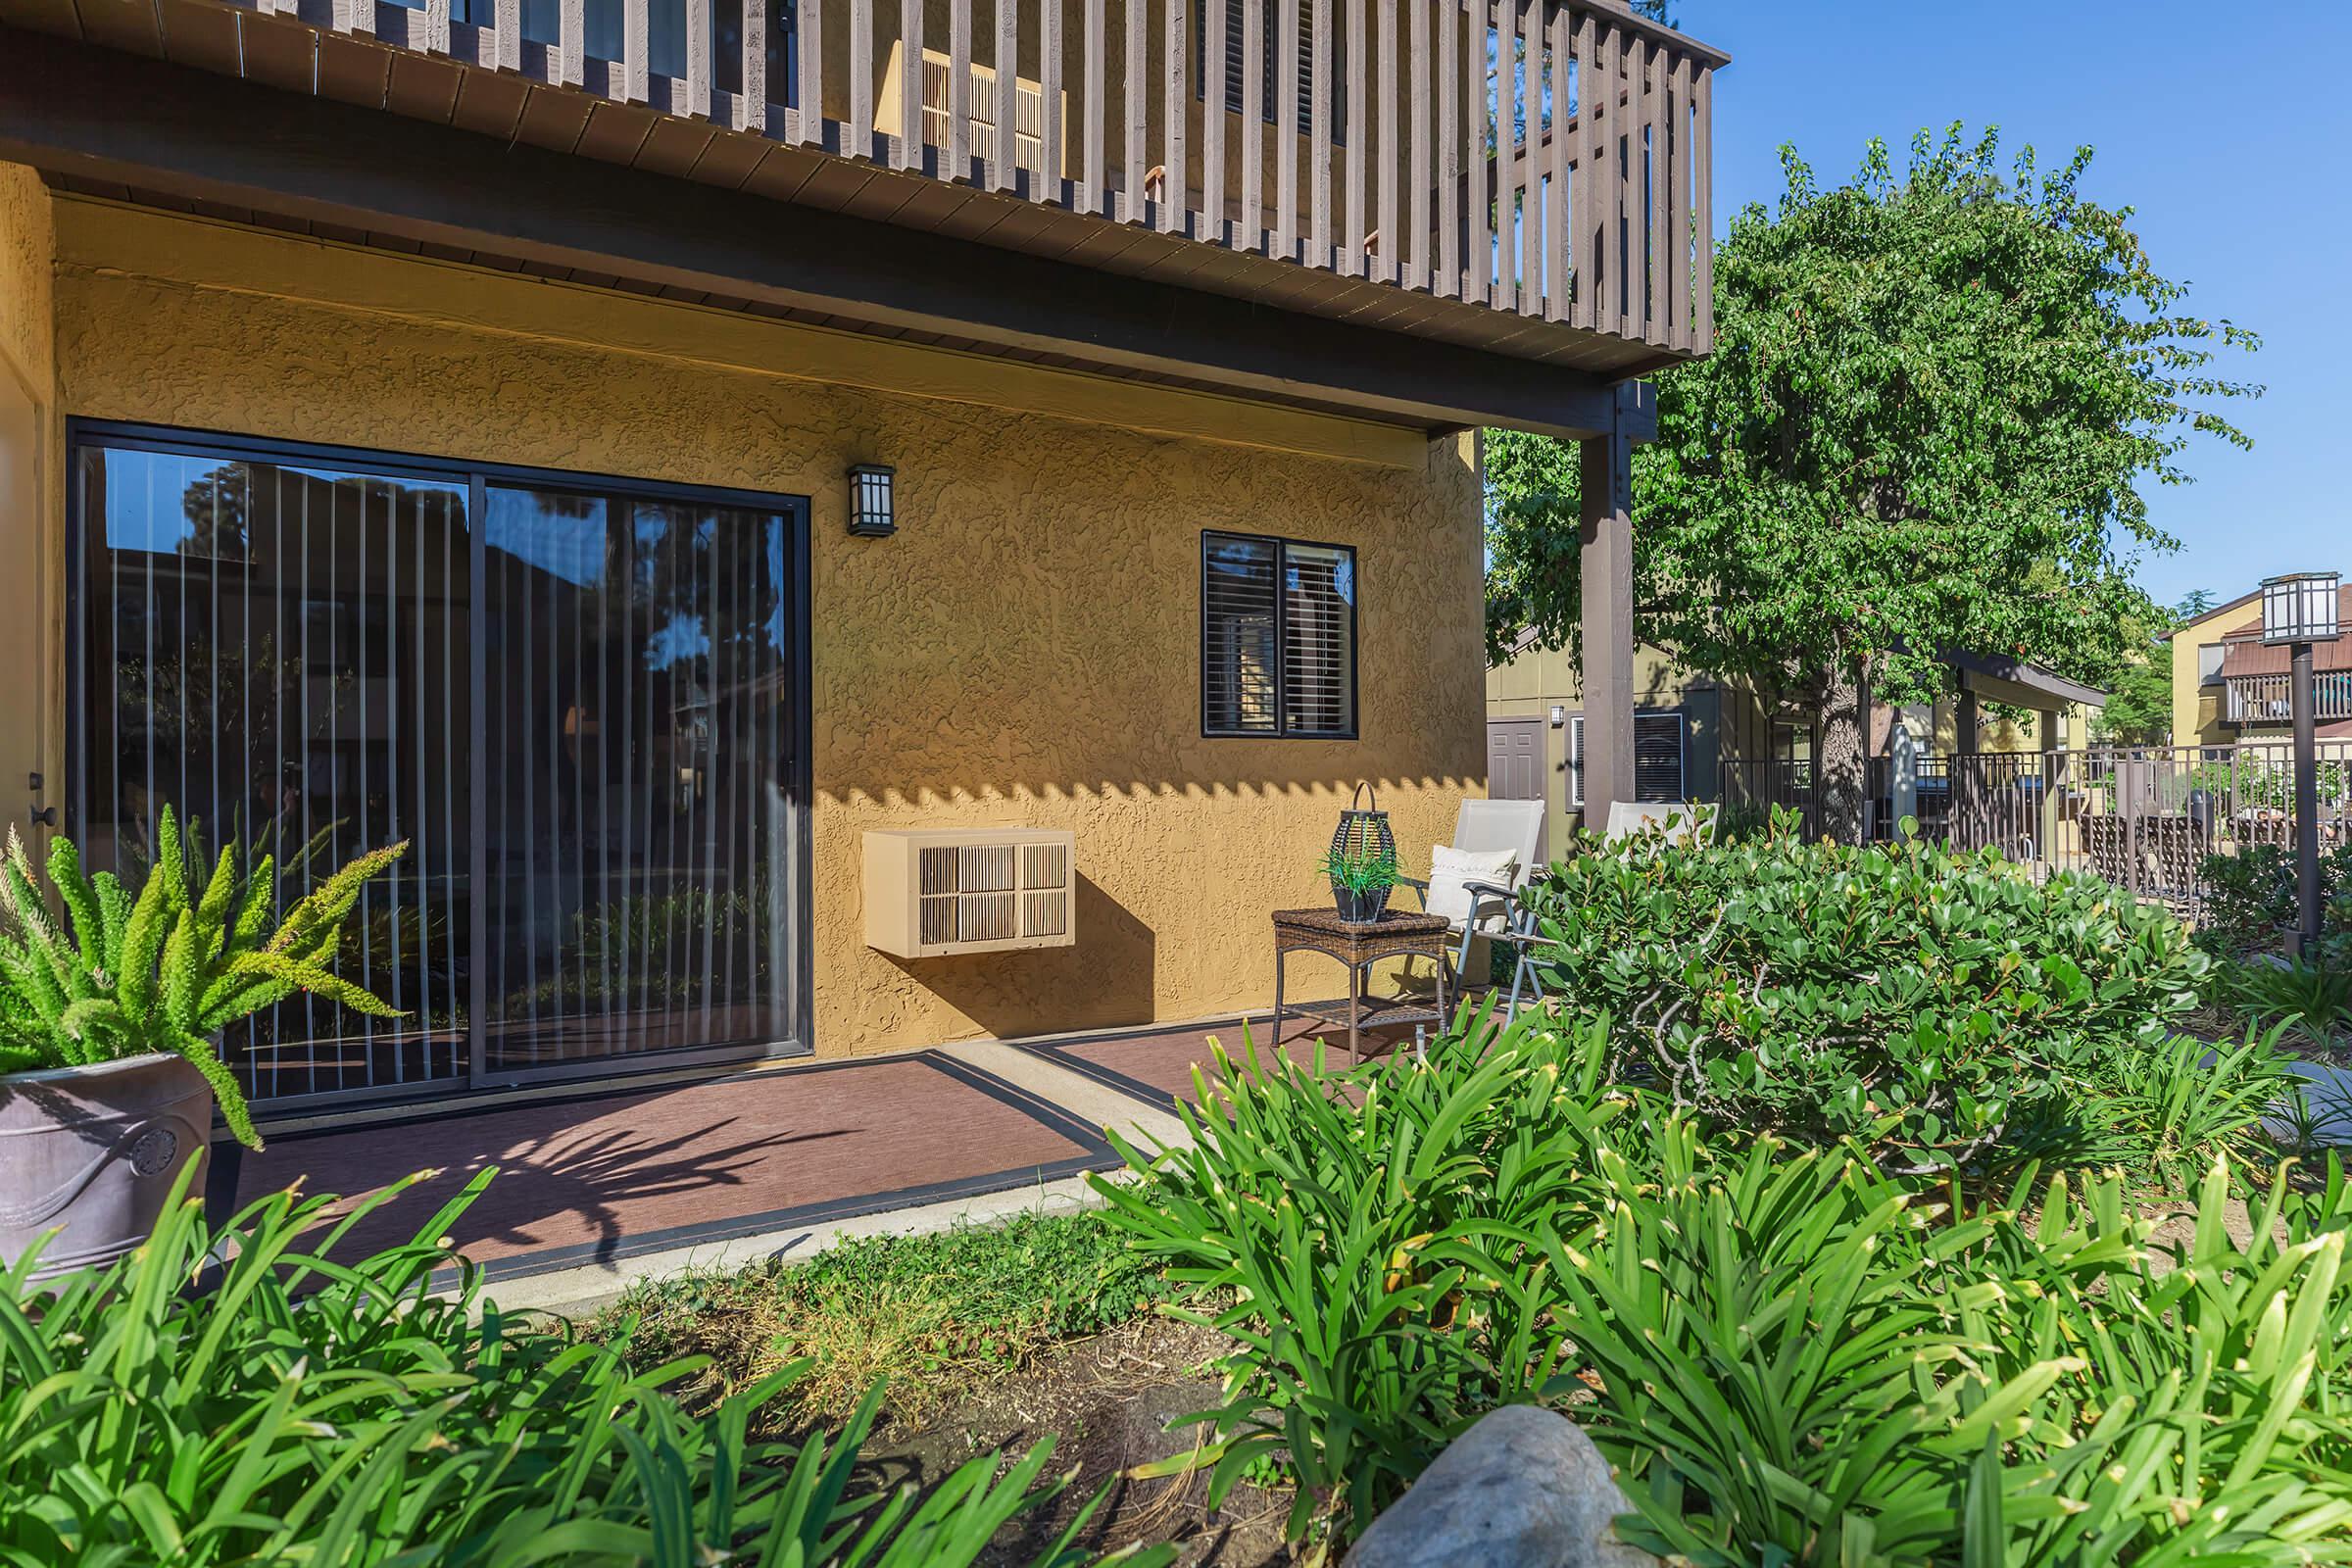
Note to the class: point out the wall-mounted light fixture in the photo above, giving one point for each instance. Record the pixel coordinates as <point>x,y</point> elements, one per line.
<point>1560,717</point>
<point>870,512</point>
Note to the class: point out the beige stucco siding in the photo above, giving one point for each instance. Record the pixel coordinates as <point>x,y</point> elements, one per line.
<point>1025,650</point>
<point>2197,706</point>
<point>31,487</point>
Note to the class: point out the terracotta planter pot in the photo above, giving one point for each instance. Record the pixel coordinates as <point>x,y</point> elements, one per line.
<point>94,1151</point>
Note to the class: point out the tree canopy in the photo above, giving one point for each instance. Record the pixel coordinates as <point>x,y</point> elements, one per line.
<point>1935,399</point>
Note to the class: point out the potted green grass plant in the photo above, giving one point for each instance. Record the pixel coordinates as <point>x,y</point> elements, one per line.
<point>1361,878</point>
<point>111,1007</point>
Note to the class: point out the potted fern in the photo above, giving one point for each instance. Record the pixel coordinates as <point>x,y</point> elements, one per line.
<point>109,1015</point>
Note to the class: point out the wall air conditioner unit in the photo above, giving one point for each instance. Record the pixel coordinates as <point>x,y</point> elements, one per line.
<point>932,892</point>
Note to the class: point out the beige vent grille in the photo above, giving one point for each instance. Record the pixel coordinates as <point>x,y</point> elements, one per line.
<point>934,892</point>
<point>1028,109</point>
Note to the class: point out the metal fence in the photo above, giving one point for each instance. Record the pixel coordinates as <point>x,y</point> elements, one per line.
<point>2145,817</point>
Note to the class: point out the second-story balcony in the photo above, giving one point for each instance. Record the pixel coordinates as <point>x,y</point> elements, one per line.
<point>1524,179</point>
<point>2268,700</point>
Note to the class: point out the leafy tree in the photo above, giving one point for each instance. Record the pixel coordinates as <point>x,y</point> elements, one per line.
<point>1935,399</point>
<point>2139,699</point>
<point>2196,602</point>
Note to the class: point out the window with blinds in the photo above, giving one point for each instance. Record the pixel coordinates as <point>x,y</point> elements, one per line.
<point>1277,637</point>
<point>1269,39</point>
<point>1658,756</point>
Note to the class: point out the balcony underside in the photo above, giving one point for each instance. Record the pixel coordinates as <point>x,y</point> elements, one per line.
<point>631,195</point>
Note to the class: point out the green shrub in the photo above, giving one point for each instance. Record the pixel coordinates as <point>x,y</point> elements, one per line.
<point>295,1411</point>
<point>2313,999</point>
<point>1912,999</point>
<point>1797,1366</point>
<point>2251,901</point>
<point>1377,1238</point>
<point>2172,1107</point>
<point>168,972</point>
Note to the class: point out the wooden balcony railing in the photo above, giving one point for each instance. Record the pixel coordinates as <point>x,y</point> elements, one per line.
<point>1550,159</point>
<point>2270,699</point>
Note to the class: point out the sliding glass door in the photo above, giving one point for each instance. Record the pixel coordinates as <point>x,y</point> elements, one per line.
<point>637,823</point>
<point>580,702</point>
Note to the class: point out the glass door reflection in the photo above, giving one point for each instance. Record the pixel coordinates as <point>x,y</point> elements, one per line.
<point>637,685</point>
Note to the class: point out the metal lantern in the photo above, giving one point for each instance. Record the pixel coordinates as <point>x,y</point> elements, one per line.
<point>2300,608</point>
<point>870,515</point>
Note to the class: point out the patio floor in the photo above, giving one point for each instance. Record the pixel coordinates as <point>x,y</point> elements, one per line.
<point>783,1152</point>
<point>633,1171</point>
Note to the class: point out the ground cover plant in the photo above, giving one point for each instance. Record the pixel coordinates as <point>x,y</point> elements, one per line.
<point>1792,1354</point>
<point>282,1407</point>
<point>936,1314</point>
<point>1370,1251</point>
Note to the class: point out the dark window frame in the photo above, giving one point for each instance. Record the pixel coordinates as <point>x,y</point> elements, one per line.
<point>480,1083</point>
<point>1282,731</point>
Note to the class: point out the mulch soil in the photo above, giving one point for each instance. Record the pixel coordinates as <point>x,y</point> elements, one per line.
<point>1107,1402</point>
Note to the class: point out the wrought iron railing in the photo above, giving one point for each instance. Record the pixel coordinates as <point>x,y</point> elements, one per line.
<point>2143,817</point>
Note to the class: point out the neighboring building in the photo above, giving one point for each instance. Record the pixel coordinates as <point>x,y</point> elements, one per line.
<point>1692,731</point>
<point>438,423</point>
<point>2226,686</point>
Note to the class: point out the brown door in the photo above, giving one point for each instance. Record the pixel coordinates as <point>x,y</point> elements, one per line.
<point>1515,759</point>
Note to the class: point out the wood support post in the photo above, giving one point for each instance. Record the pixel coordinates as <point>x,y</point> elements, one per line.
<point>1607,538</point>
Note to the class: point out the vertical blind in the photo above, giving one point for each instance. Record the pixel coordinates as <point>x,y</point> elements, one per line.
<point>1277,637</point>
<point>576,708</point>
<point>277,654</point>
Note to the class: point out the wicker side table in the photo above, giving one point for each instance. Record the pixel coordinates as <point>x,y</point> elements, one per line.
<point>1396,934</point>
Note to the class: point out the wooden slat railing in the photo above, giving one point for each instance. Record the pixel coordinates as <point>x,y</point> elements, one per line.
<point>1550,159</point>
<point>2270,699</point>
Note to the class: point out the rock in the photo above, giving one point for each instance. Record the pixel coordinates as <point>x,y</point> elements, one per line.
<point>1522,1488</point>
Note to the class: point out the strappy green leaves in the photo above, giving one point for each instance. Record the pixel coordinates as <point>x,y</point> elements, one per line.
<point>166,971</point>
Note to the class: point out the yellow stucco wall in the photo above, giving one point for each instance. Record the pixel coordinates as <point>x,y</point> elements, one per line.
<point>25,245</point>
<point>2198,707</point>
<point>1024,650</point>
<point>31,493</point>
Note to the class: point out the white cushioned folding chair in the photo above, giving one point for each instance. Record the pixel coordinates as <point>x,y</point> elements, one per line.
<point>1475,880</point>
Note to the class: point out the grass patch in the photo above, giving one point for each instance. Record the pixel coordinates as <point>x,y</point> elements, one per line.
<point>937,1314</point>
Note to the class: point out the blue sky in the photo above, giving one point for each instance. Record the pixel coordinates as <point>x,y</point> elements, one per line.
<point>2225,126</point>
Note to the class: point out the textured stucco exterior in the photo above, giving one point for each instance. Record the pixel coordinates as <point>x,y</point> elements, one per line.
<point>30,494</point>
<point>1024,650</point>
<point>27,244</point>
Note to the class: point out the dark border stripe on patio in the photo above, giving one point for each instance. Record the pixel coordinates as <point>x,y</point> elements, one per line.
<point>1154,1065</point>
